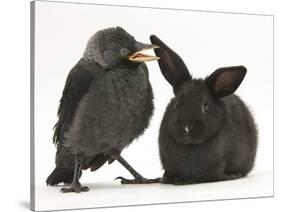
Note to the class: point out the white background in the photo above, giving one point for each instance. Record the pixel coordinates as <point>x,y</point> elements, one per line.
<point>16,59</point>
<point>205,41</point>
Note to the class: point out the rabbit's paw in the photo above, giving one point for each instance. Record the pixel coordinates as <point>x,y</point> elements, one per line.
<point>232,176</point>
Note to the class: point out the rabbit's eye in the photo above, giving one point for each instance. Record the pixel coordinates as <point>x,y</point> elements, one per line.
<point>205,107</point>
<point>176,105</point>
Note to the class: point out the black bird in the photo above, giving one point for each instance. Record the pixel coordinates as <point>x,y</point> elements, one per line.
<point>106,103</point>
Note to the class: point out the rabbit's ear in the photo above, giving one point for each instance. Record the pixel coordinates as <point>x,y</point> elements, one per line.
<point>224,81</point>
<point>171,65</point>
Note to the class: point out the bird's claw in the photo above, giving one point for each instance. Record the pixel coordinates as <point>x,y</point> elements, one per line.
<point>76,189</point>
<point>140,180</point>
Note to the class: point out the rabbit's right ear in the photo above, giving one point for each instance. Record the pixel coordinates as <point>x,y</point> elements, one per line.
<point>224,81</point>
<point>171,65</point>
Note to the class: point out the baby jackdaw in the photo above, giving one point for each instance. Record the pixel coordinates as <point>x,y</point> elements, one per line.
<point>107,102</point>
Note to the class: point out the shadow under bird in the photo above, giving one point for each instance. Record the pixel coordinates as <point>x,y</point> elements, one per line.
<point>106,103</point>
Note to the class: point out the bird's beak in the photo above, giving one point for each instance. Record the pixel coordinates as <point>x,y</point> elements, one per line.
<point>139,56</point>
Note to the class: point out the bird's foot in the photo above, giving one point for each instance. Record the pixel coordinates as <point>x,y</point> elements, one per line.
<point>175,180</point>
<point>75,187</point>
<point>138,180</point>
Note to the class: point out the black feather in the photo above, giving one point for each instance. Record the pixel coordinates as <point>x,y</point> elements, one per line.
<point>78,82</point>
<point>77,85</point>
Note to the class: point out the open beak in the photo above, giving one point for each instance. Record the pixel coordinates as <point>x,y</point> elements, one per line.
<point>139,56</point>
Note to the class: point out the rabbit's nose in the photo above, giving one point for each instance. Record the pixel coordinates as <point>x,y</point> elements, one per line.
<point>187,129</point>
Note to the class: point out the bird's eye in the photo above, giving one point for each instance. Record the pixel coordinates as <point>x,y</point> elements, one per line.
<point>205,107</point>
<point>124,51</point>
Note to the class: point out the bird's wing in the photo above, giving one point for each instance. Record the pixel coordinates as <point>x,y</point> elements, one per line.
<point>78,82</point>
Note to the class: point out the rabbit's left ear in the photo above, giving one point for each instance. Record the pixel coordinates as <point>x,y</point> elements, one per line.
<point>225,81</point>
<point>171,65</point>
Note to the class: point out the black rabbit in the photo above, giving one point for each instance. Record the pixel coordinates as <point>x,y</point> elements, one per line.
<point>207,134</point>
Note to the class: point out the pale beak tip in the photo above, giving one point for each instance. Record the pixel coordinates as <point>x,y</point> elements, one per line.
<point>155,46</point>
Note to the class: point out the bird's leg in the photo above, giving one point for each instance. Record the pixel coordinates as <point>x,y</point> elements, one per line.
<point>138,178</point>
<point>75,186</point>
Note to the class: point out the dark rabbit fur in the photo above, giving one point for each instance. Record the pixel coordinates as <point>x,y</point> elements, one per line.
<point>207,133</point>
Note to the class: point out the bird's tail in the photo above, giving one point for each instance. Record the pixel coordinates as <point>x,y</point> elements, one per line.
<point>60,175</point>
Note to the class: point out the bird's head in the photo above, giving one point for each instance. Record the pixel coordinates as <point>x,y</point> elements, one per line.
<point>115,48</point>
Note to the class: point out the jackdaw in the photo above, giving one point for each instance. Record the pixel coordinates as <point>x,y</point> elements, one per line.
<point>106,103</point>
